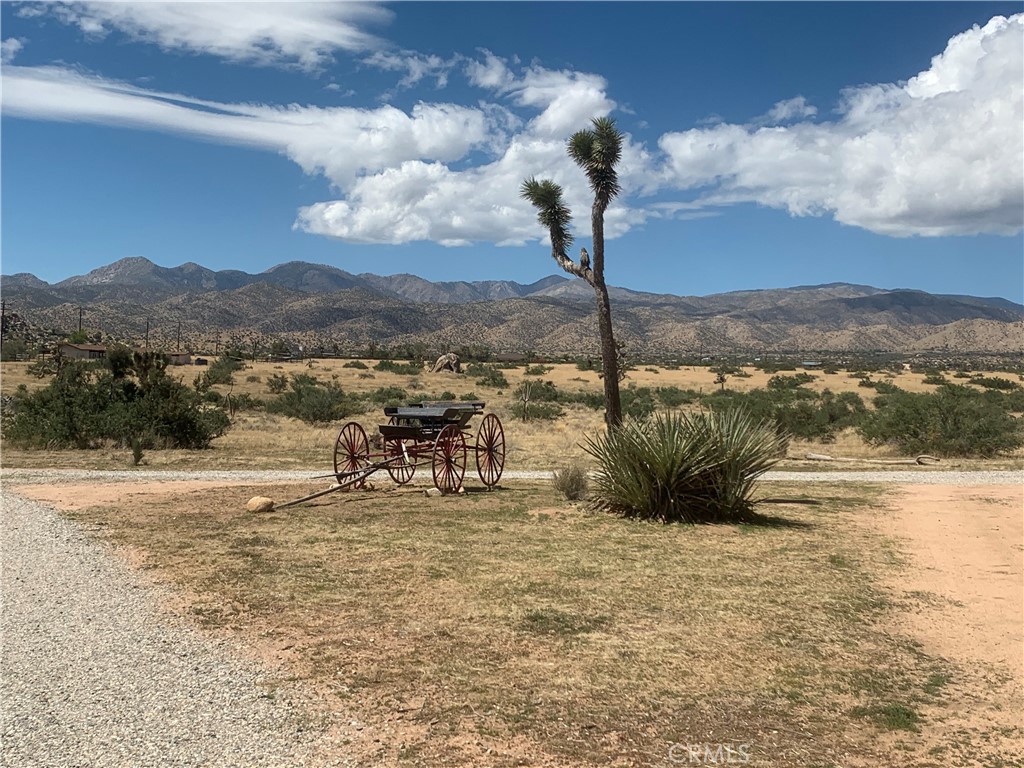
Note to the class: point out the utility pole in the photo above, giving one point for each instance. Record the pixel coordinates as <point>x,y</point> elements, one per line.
<point>80,311</point>
<point>147,334</point>
<point>3,318</point>
<point>179,336</point>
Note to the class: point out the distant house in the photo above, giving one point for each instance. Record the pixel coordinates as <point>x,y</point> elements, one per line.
<point>179,358</point>
<point>82,351</point>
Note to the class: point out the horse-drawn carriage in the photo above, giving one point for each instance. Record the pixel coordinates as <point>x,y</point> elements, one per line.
<point>429,433</point>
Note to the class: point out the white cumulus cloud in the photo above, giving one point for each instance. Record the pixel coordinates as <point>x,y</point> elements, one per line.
<point>941,154</point>
<point>10,48</point>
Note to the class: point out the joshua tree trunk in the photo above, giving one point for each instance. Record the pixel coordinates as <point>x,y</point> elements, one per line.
<point>609,353</point>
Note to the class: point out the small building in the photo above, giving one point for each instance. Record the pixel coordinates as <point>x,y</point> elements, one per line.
<point>82,351</point>
<point>179,358</point>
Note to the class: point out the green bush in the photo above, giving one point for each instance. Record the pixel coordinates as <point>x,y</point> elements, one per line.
<point>637,402</point>
<point>677,467</point>
<point>539,411</point>
<point>790,382</point>
<point>405,369</point>
<point>540,391</point>
<point>995,382</point>
<point>277,383</point>
<point>955,420</point>
<point>388,396</point>
<point>313,402</point>
<point>673,397</point>
<point>487,376</point>
<point>86,407</point>
<point>537,370</point>
<point>355,364</point>
<point>797,412</point>
<point>222,369</point>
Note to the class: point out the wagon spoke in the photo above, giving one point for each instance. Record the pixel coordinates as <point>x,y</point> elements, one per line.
<point>401,465</point>
<point>490,450</point>
<point>351,452</point>
<point>449,460</point>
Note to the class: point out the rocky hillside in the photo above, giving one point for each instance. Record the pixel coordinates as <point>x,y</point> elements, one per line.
<point>319,306</point>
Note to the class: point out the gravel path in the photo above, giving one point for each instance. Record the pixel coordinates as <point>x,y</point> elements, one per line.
<point>93,674</point>
<point>909,475</point>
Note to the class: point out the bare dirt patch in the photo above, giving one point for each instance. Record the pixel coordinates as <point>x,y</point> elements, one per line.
<point>964,597</point>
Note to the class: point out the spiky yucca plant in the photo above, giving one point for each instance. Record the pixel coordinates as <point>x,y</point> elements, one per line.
<point>678,467</point>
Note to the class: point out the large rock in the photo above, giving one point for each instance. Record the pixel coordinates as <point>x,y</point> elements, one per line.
<point>260,504</point>
<point>448,362</point>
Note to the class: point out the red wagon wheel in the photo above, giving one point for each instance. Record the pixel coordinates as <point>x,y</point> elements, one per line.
<point>401,465</point>
<point>401,471</point>
<point>351,451</point>
<point>449,459</point>
<point>490,450</point>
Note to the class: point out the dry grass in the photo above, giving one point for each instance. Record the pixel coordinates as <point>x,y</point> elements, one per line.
<point>512,628</point>
<point>257,439</point>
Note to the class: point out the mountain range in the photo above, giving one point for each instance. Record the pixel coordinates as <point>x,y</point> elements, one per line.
<point>321,306</point>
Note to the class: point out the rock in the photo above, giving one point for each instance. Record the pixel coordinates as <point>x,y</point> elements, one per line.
<point>433,492</point>
<point>260,504</point>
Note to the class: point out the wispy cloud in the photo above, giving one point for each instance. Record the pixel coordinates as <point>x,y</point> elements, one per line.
<point>302,34</point>
<point>787,111</point>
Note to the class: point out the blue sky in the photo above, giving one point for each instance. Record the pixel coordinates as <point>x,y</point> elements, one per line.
<point>767,144</point>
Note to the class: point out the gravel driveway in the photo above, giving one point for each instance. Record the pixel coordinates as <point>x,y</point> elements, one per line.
<point>93,673</point>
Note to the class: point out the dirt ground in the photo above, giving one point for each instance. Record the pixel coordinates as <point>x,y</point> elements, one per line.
<point>964,586</point>
<point>959,596</point>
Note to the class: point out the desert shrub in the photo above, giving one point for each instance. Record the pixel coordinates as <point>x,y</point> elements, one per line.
<point>953,421</point>
<point>592,400</point>
<point>469,397</point>
<point>313,402</point>
<point>355,364</point>
<point>935,377</point>
<point>487,376</point>
<point>995,382</point>
<point>638,402</point>
<point>85,407</point>
<point>677,467</point>
<point>221,370</point>
<point>387,395</point>
<point>571,481</point>
<point>405,369</point>
<point>242,402</point>
<point>542,411</point>
<point>797,412</point>
<point>540,391</point>
<point>673,397</point>
<point>790,382</point>
<point>537,370</point>
<point>277,383</point>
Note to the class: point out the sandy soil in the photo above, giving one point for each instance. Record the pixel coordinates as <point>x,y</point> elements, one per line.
<point>960,595</point>
<point>965,590</point>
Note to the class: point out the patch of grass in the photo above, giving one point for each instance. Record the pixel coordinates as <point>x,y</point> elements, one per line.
<point>891,717</point>
<point>552,621</point>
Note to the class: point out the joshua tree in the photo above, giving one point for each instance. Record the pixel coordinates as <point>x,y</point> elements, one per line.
<point>596,151</point>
